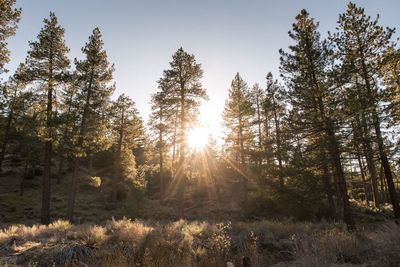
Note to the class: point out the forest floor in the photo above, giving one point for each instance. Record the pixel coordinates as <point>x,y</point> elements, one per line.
<point>93,204</point>
<point>212,234</point>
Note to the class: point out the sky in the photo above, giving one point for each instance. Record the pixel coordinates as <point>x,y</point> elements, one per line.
<point>226,37</point>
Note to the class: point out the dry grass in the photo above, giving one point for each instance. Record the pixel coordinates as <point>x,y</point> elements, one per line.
<point>182,243</point>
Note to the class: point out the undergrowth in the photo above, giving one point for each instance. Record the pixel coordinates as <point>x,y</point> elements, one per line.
<point>181,243</point>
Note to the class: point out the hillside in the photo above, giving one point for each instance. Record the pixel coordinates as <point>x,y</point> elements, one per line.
<point>154,236</point>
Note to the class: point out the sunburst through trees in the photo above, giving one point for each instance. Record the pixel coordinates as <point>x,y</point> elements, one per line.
<point>319,142</point>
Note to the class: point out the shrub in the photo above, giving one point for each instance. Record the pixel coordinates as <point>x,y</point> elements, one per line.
<point>95,181</point>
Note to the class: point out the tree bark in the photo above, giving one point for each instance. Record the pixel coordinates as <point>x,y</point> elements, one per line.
<point>259,128</point>
<point>182,152</point>
<point>45,212</point>
<point>173,167</point>
<point>60,169</point>
<point>6,139</point>
<point>161,150</point>
<point>386,167</point>
<point>335,153</point>
<point>278,145</point>
<point>372,172</point>
<point>22,185</point>
<point>369,153</point>
<point>72,196</point>
<point>365,185</point>
<point>328,185</point>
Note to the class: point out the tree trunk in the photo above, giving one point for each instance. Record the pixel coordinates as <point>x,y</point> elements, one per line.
<point>60,169</point>
<point>5,139</point>
<point>386,167</point>
<point>278,146</point>
<point>328,186</point>
<point>335,153</point>
<point>365,184</point>
<point>173,169</point>
<point>266,139</point>
<point>259,128</point>
<point>242,178</point>
<point>369,155</point>
<point>45,217</point>
<point>82,130</point>
<point>45,212</point>
<point>162,182</point>
<point>367,147</point>
<point>161,150</point>
<point>182,153</point>
<point>90,163</point>
<point>64,140</point>
<point>22,185</point>
<point>383,186</point>
<point>379,139</point>
<point>72,194</point>
<point>372,172</point>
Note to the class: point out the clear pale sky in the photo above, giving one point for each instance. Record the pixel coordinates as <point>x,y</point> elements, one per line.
<point>225,36</point>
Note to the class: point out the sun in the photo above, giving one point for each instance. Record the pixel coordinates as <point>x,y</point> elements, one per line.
<point>197,138</point>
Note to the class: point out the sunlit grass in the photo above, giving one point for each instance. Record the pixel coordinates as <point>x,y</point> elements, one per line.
<point>182,243</point>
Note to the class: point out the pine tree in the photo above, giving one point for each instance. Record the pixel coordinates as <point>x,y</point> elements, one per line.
<point>161,122</point>
<point>184,75</point>
<point>27,125</point>
<point>68,115</point>
<point>47,63</point>
<point>185,93</point>
<point>94,75</point>
<point>9,18</point>
<point>305,70</point>
<point>354,107</point>
<point>361,45</point>
<point>274,98</point>
<point>13,94</point>
<point>237,116</point>
<point>127,128</point>
<point>258,98</point>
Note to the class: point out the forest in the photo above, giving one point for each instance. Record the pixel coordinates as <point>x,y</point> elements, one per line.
<point>307,172</point>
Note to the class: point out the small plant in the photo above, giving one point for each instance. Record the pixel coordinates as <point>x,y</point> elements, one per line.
<point>93,234</point>
<point>95,181</point>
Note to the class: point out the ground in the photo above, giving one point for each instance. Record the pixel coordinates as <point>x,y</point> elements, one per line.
<point>212,234</point>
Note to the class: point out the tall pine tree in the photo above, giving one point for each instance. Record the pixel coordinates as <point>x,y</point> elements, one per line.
<point>305,70</point>
<point>185,92</point>
<point>94,75</point>
<point>127,128</point>
<point>47,64</point>
<point>361,45</point>
<point>237,116</point>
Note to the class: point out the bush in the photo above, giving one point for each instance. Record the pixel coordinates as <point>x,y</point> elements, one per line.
<point>296,200</point>
<point>95,181</point>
